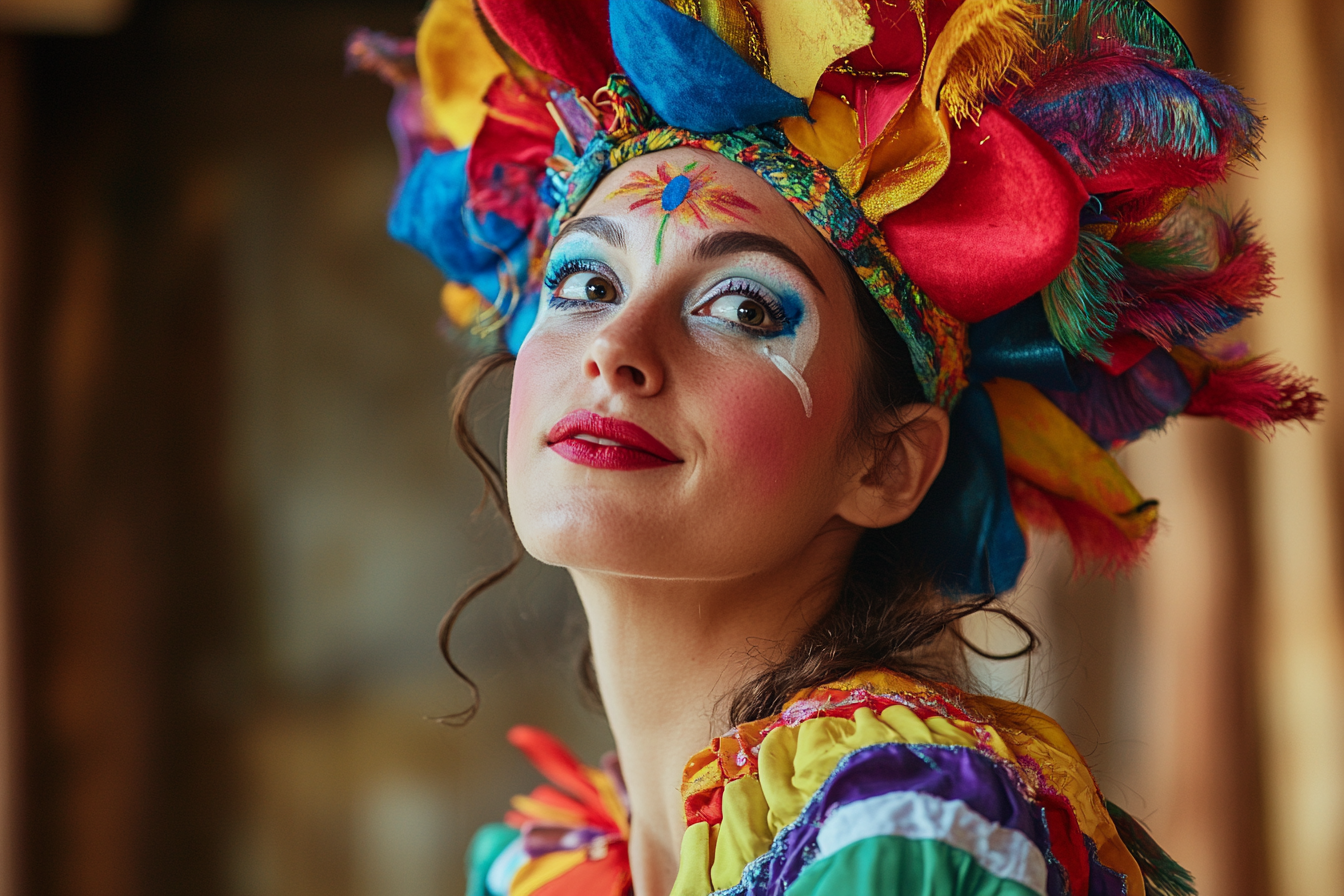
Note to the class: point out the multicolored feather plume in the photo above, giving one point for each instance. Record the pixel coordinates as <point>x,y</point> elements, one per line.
<point>1080,304</point>
<point>1256,394</point>
<point>1176,298</point>
<point>1071,29</point>
<point>1122,116</point>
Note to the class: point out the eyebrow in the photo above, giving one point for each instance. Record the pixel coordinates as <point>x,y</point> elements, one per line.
<point>734,242</point>
<point>609,230</point>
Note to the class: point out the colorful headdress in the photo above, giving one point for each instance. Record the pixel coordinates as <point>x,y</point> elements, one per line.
<point>1017,183</point>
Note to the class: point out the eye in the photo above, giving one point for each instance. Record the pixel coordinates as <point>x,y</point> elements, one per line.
<point>747,306</point>
<point>586,286</point>
<point>751,313</point>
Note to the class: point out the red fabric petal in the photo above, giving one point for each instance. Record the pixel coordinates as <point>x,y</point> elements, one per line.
<point>875,102</point>
<point>1066,842</point>
<point>999,226</point>
<point>705,806</point>
<point>554,761</point>
<point>569,39</point>
<point>596,818</point>
<point>898,45</point>
<point>508,156</point>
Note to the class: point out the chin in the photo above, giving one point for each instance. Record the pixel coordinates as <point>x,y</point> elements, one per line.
<point>598,535</point>
<point>588,532</point>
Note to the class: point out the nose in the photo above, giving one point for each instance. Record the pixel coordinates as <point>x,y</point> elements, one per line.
<point>625,355</point>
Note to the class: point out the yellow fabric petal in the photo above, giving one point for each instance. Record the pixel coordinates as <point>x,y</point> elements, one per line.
<point>611,800</point>
<point>693,871</point>
<point>908,727</point>
<point>822,743</point>
<point>992,739</point>
<point>948,735</point>
<point>457,64</point>
<point>832,138</point>
<point>803,37</point>
<point>776,776</point>
<point>744,834</point>
<point>462,304</point>
<point>906,162</point>
<point>533,808</point>
<point>544,869</point>
<point>1046,448</point>
<point>983,43</point>
<point>731,20</point>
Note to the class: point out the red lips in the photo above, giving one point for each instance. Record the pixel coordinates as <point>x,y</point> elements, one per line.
<point>606,443</point>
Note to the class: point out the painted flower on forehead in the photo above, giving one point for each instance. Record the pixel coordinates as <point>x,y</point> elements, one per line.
<point>686,195</point>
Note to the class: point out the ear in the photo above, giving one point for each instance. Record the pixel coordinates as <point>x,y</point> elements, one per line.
<point>886,488</point>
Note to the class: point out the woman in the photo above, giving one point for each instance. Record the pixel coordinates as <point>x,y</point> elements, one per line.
<point>813,307</point>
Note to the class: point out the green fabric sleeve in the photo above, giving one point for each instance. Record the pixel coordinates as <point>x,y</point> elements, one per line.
<point>895,866</point>
<point>485,847</point>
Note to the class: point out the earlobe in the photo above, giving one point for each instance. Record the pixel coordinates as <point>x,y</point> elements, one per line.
<point>887,489</point>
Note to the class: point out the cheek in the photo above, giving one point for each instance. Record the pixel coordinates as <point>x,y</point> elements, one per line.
<point>527,380</point>
<point>537,374</point>
<point>763,441</point>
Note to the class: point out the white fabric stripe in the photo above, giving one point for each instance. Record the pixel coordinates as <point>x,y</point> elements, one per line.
<point>1003,852</point>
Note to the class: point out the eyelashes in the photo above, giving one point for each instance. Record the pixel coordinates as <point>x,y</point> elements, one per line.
<point>760,312</point>
<point>739,304</point>
<point>565,292</point>
<point>557,275</point>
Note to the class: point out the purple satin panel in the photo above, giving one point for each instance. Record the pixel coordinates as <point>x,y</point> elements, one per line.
<point>950,773</point>
<point>1103,881</point>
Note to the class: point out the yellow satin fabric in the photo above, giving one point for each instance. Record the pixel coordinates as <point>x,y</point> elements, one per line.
<point>1044,446</point>
<point>456,64</point>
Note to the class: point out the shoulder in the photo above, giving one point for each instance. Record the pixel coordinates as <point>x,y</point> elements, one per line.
<point>889,784</point>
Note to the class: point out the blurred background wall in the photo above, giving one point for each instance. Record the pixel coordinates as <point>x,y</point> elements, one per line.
<point>233,514</point>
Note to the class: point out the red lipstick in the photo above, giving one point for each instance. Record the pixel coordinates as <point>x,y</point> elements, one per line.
<point>606,443</point>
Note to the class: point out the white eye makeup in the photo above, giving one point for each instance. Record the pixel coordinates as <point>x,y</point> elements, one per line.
<point>777,323</point>
<point>786,324</point>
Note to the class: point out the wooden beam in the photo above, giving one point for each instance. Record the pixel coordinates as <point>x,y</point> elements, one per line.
<point>11,714</point>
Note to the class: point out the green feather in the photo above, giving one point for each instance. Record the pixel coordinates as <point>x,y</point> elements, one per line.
<point>1078,303</point>
<point>1167,253</point>
<point>1161,873</point>
<point>1079,27</point>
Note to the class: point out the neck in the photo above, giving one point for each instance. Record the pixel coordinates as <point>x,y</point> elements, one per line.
<point>670,653</point>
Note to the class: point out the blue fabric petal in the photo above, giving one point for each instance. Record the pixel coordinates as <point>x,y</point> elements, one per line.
<point>690,77</point>
<point>964,530</point>
<point>490,843</point>
<point>486,252</point>
<point>1017,344</point>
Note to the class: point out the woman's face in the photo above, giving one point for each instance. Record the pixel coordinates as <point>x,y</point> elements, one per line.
<point>682,407</point>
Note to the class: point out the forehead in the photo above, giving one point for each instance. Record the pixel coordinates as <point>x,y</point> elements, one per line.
<point>713,190</point>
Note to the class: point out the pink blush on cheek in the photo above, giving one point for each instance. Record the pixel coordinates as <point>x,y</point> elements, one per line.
<point>762,443</point>
<point>533,380</point>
